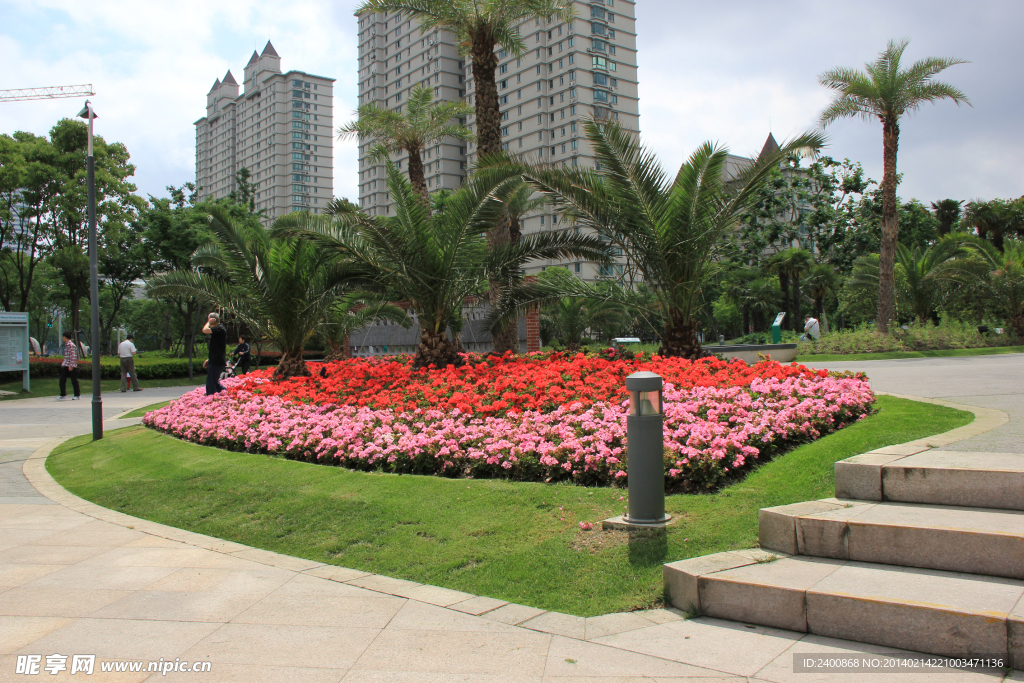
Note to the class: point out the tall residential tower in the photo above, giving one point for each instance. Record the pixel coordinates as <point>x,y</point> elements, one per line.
<point>570,72</point>
<point>277,125</point>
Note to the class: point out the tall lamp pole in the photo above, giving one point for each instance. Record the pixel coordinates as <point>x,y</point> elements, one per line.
<point>94,284</point>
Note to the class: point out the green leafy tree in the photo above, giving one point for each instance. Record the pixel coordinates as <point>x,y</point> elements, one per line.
<point>668,228</point>
<point>116,203</point>
<point>124,258</point>
<point>789,265</point>
<point>888,92</point>
<point>27,190</point>
<point>175,226</point>
<point>571,318</point>
<point>423,123</point>
<point>433,262</point>
<point>280,288</point>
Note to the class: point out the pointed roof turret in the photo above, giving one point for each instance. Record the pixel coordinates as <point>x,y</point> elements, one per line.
<point>269,51</point>
<point>770,146</point>
<point>216,84</point>
<point>229,79</point>
<point>255,56</point>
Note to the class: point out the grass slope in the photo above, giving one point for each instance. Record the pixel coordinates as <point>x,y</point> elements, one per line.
<point>141,412</point>
<point>889,355</point>
<point>515,541</point>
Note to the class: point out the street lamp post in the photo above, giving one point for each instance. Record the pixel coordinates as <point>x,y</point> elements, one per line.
<point>94,285</point>
<point>646,455</point>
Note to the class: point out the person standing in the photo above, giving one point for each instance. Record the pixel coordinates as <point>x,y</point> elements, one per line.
<point>244,356</point>
<point>126,350</point>
<point>812,330</point>
<point>69,368</point>
<point>217,359</point>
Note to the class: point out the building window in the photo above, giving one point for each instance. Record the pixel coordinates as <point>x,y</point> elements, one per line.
<point>598,29</point>
<point>597,12</point>
<point>573,144</point>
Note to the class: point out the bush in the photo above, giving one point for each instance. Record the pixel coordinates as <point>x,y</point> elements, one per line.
<point>149,365</point>
<point>949,334</point>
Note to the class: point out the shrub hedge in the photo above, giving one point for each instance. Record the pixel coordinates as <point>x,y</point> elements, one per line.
<point>159,367</point>
<point>929,337</point>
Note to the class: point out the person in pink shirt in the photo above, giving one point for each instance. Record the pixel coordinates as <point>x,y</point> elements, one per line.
<point>69,368</point>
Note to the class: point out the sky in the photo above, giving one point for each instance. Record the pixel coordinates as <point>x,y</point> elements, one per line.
<point>728,71</point>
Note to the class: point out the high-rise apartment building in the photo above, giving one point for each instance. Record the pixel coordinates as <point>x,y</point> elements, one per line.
<point>571,72</point>
<point>279,126</point>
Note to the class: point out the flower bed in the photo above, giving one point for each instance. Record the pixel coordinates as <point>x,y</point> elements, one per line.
<point>539,418</point>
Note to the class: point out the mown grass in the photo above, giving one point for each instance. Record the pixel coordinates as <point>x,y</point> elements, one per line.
<point>140,412</point>
<point>889,355</point>
<point>50,386</point>
<point>515,541</point>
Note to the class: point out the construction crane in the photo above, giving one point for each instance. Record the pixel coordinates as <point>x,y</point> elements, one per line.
<point>52,93</point>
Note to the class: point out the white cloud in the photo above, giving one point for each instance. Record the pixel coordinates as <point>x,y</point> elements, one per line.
<point>715,71</point>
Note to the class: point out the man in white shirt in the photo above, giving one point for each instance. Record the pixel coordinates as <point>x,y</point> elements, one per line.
<point>812,330</point>
<point>126,350</point>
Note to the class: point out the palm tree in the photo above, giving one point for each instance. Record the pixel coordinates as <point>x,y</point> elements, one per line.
<point>947,212</point>
<point>996,219</point>
<point>479,26</point>
<point>920,271</point>
<point>352,312</point>
<point>888,92</point>
<point>423,124</point>
<point>339,205</point>
<point>668,228</point>
<point>282,289</point>
<point>433,262</point>
<point>736,286</point>
<point>822,282</point>
<point>1001,272</point>
<point>761,297</point>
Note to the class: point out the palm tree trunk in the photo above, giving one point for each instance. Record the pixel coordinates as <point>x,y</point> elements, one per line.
<point>488,115</point>
<point>335,353</point>
<point>435,349</point>
<point>890,227</point>
<point>680,339</point>
<point>797,308</point>
<point>416,176</point>
<point>824,320</point>
<point>784,286</point>
<point>292,365</point>
<point>488,140</point>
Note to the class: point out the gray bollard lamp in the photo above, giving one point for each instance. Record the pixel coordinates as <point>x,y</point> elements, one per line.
<point>646,451</point>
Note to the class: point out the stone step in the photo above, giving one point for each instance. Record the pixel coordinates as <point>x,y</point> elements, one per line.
<point>929,611</point>
<point>958,539</point>
<point>981,480</point>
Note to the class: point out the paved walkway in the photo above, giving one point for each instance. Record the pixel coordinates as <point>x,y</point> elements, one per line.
<point>76,578</point>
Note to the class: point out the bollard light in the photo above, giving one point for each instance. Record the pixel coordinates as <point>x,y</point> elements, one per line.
<point>646,451</point>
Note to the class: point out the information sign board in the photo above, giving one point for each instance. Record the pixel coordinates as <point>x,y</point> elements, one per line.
<point>14,348</point>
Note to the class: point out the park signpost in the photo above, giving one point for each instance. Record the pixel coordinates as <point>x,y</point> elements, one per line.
<point>14,345</point>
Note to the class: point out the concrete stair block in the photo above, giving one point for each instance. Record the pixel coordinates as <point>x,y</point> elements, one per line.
<point>989,480</point>
<point>914,609</point>
<point>909,608</point>
<point>1015,628</point>
<point>681,577</point>
<point>769,593</point>
<point>970,540</point>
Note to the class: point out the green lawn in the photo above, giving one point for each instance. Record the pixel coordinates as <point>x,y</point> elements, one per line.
<point>49,386</point>
<point>515,541</point>
<point>888,355</point>
<point>140,412</point>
